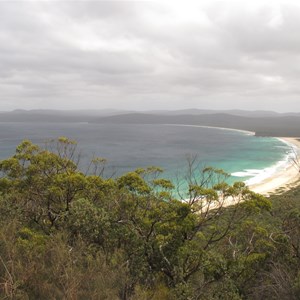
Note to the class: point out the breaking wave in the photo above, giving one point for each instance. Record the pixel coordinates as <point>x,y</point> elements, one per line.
<point>259,175</point>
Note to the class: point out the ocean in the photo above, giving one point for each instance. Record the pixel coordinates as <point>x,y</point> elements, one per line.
<point>127,147</point>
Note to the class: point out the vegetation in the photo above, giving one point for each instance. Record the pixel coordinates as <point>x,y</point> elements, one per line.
<point>68,235</point>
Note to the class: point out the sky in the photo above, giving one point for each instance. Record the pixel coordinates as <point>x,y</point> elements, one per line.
<point>146,55</point>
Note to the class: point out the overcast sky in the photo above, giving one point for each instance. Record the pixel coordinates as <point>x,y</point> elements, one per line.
<point>150,54</point>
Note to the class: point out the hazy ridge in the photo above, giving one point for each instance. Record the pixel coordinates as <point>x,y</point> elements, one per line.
<point>263,123</point>
<point>262,126</point>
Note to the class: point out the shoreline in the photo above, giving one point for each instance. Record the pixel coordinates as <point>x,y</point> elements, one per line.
<point>283,180</point>
<point>279,182</point>
<point>248,132</point>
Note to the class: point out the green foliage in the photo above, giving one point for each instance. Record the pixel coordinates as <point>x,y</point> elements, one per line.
<point>133,182</point>
<point>30,241</point>
<point>67,235</point>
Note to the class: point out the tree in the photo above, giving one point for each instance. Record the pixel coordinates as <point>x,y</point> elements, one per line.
<point>42,183</point>
<point>294,158</point>
<point>132,227</point>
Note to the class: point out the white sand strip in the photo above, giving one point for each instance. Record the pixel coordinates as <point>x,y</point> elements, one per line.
<point>282,180</point>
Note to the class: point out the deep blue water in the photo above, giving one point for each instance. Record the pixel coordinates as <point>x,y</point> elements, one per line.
<point>127,147</point>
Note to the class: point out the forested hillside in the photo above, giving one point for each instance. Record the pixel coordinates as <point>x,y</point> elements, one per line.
<point>70,235</point>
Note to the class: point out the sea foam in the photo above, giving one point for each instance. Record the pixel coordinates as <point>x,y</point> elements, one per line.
<point>259,175</point>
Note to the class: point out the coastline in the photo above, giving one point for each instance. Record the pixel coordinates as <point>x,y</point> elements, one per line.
<point>248,132</point>
<point>282,180</point>
<point>278,182</point>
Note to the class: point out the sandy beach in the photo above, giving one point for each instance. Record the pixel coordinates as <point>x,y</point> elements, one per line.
<point>284,179</point>
<point>277,183</point>
<point>280,181</point>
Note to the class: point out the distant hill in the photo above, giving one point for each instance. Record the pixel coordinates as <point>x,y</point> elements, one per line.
<point>262,126</point>
<point>47,115</point>
<point>235,112</point>
<point>264,123</point>
<point>16,114</point>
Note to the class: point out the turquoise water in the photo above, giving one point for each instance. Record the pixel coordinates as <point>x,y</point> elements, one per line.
<point>127,147</point>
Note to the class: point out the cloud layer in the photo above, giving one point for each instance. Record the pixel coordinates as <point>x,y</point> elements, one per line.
<point>150,55</point>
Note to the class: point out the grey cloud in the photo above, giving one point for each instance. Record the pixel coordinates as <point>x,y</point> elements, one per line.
<point>125,54</point>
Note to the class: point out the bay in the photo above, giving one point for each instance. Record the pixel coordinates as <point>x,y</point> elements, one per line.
<point>131,146</point>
